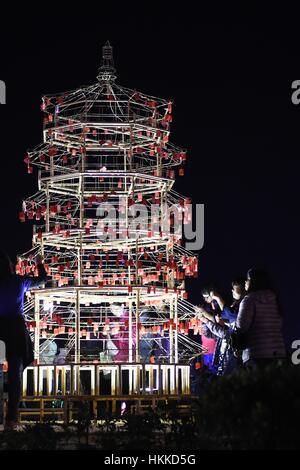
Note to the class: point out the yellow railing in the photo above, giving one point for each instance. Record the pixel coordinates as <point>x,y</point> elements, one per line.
<point>106,379</point>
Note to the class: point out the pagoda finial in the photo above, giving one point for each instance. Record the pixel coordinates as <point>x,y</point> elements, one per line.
<point>107,69</point>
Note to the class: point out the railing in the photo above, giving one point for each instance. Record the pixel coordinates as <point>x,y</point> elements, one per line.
<point>106,379</point>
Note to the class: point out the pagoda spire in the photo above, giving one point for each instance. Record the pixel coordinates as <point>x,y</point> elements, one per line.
<point>107,69</point>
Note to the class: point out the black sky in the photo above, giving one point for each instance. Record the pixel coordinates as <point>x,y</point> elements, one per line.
<point>230,79</point>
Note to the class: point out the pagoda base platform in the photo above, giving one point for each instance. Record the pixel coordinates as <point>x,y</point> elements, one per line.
<point>68,409</point>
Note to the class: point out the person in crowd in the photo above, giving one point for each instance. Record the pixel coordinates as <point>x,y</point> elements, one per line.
<point>13,331</point>
<point>229,313</point>
<point>221,325</point>
<point>210,303</point>
<point>224,361</point>
<point>211,308</point>
<point>259,320</point>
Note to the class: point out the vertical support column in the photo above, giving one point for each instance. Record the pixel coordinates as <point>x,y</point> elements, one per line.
<point>163,205</point>
<point>36,378</point>
<point>125,157</point>
<point>173,379</point>
<point>171,335</point>
<point>83,153</point>
<point>171,279</point>
<point>127,237</point>
<point>166,380</point>
<point>97,372</point>
<point>51,166</point>
<point>37,328</point>
<point>131,139</point>
<point>175,305</point>
<point>92,370</point>
<point>126,201</point>
<point>136,262</point>
<point>49,377</point>
<point>77,328</point>
<point>113,371</point>
<point>79,263</point>
<point>42,248</point>
<point>40,380</point>
<point>151,378</point>
<point>81,220</point>
<point>55,385</point>
<point>81,209</point>
<point>130,380</point>
<point>63,380</point>
<point>77,344</point>
<point>135,371</point>
<point>47,208</point>
<point>137,334</point>
<point>120,384</point>
<point>24,382</point>
<point>188,380</point>
<point>159,165</point>
<point>130,356</point>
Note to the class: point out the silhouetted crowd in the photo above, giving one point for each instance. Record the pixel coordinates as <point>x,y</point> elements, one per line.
<point>245,333</point>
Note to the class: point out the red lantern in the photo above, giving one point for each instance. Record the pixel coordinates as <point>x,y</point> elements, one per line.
<point>22,216</point>
<point>150,104</point>
<point>136,97</point>
<point>52,151</point>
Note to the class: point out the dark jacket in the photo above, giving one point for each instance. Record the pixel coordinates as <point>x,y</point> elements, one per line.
<point>259,315</point>
<point>224,360</point>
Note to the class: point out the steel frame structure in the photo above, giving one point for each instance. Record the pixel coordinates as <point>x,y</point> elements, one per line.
<point>107,144</point>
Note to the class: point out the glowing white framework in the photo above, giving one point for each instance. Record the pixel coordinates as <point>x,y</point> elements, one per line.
<point>106,144</point>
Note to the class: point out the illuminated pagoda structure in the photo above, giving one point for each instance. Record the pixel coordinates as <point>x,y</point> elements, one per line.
<point>115,302</point>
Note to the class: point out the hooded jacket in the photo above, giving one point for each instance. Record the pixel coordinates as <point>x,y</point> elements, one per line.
<point>260,317</point>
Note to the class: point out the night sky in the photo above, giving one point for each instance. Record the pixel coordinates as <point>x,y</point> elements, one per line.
<point>230,80</point>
